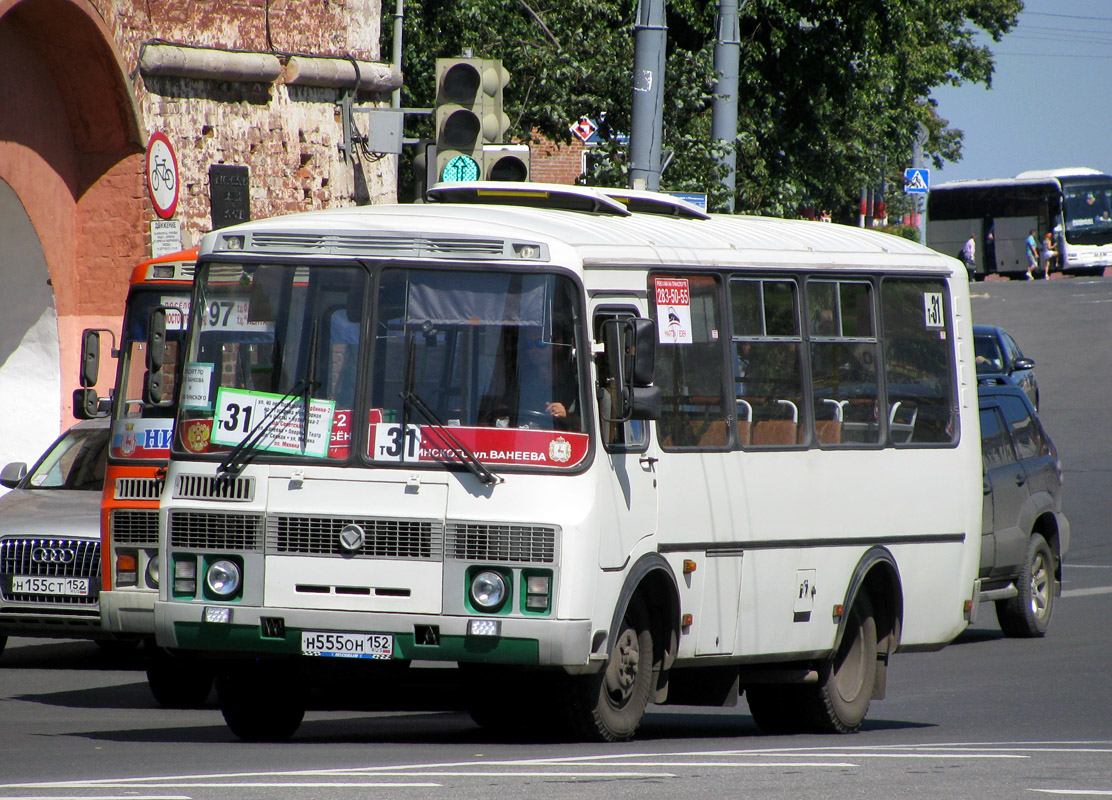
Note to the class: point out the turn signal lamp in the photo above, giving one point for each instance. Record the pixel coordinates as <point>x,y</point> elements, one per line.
<point>127,569</point>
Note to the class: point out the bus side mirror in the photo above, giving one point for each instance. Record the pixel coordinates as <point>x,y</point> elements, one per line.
<point>630,345</point>
<point>156,352</point>
<point>85,401</point>
<point>643,355</point>
<point>90,357</point>
<point>156,338</point>
<point>86,404</point>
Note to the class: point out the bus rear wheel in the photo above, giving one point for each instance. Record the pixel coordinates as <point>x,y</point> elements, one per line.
<point>846,681</point>
<point>608,706</point>
<point>261,706</point>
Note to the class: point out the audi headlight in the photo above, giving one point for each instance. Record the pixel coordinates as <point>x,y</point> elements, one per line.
<point>223,578</point>
<point>488,590</point>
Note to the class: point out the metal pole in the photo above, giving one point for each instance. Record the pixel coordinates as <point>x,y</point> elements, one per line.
<point>723,126</point>
<point>917,162</point>
<point>396,96</point>
<point>647,125</point>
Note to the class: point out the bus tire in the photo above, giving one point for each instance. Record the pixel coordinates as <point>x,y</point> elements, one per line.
<point>1028,614</point>
<point>608,706</point>
<point>847,680</point>
<point>3,643</point>
<point>177,683</point>
<point>260,707</point>
<point>775,708</point>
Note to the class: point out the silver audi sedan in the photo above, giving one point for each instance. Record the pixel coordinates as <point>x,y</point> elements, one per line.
<point>50,538</point>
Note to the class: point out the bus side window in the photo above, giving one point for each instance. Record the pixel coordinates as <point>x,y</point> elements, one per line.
<point>843,362</point>
<point>616,436</point>
<point>690,361</point>
<point>922,402</point>
<point>767,378</point>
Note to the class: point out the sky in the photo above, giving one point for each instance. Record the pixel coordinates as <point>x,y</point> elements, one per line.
<point>1050,104</point>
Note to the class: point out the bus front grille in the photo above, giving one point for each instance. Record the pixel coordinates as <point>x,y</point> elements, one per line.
<point>518,544</point>
<point>203,530</point>
<point>381,538</point>
<point>134,526</point>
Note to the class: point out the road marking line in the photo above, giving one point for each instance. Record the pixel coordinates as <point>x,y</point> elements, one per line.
<point>1087,592</point>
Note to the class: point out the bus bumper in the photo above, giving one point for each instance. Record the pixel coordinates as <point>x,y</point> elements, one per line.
<point>128,610</point>
<point>253,631</point>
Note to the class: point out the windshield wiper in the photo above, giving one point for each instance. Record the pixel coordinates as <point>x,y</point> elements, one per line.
<point>242,454</point>
<point>480,470</point>
<point>311,382</point>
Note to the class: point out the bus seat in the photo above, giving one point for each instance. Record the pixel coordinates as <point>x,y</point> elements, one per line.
<point>774,432</point>
<point>713,433</point>
<point>828,431</point>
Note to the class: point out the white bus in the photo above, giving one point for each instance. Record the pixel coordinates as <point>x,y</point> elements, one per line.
<point>1075,205</point>
<point>595,457</point>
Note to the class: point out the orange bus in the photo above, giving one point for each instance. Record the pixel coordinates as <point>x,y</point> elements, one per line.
<point>138,452</point>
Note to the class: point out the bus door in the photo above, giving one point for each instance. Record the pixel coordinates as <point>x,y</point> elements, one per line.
<point>630,456</point>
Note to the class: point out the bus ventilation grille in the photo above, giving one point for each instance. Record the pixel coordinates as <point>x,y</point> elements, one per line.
<point>518,544</point>
<point>139,488</point>
<point>209,487</point>
<point>203,530</point>
<point>383,245</point>
<point>131,526</point>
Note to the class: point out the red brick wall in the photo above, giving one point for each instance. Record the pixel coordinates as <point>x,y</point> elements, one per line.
<point>555,162</point>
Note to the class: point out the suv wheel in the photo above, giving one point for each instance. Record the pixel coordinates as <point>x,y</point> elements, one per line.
<point>1028,613</point>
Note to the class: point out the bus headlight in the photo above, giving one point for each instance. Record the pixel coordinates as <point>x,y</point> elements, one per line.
<point>222,578</point>
<point>488,590</point>
<point>152,571</point>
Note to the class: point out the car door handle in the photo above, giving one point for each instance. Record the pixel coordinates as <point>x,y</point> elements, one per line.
<point>1020,479</point>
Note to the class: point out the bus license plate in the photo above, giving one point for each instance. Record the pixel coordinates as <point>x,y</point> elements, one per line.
<point>36,584</point>
<point>347,645</point>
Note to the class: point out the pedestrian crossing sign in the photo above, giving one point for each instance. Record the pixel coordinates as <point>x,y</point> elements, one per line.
<point>917,181</point>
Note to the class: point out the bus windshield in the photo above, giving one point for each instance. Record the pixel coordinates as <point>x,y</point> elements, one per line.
<point>1088,211</point>
<point>486,361</point>
<point>142,431</point>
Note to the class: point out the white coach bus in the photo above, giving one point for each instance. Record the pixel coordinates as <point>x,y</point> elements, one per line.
<point>596,450</point>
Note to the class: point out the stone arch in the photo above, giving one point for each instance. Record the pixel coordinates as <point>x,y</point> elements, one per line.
<point>71,196</point>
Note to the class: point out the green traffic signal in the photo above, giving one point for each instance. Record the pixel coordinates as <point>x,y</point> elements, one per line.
<point>460,168</point>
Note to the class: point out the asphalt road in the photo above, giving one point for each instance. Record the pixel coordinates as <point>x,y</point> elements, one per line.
<point>988,717</point>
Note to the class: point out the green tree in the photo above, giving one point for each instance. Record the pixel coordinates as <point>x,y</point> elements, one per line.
<point>831,91</point>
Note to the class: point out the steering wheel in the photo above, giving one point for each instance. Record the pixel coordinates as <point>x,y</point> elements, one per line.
<point>534,419</point>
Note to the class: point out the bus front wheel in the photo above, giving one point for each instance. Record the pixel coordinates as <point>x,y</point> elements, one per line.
<point>260,706</point>
<point>609,705</point>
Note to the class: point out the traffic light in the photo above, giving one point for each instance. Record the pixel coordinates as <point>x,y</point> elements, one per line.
<point>468,114</point>
<point>506,162</point>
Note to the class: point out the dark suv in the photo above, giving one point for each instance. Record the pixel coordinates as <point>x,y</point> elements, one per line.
<point>1024,532</point>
